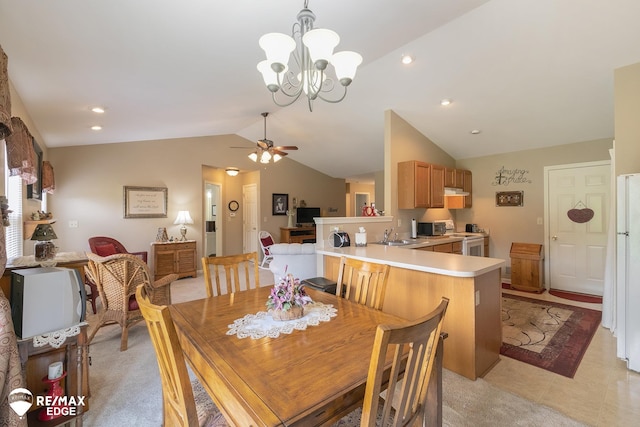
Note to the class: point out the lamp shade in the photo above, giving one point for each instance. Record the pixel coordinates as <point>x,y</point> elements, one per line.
<point>43,233</point>
<point>183,218</point>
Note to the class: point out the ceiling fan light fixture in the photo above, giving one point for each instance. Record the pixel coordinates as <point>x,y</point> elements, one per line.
<point>254,156</point>
<point>265,157</point>
<point>232,171</point>
<point>276,157</point>
<point>312,51</point>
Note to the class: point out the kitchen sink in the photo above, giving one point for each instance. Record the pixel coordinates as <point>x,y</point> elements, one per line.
<point>394,242</point>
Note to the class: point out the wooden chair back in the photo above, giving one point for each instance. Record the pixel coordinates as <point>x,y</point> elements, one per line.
<point>413,346</point>
<point>177,395</point>
<point>363,282</point>
<point>231,266</point>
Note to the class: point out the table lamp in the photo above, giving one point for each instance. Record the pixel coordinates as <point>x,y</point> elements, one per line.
<point>44,248</point>
<point>183,218</point>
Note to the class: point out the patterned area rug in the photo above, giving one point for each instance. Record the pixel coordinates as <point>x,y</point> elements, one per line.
<point>548,335</point>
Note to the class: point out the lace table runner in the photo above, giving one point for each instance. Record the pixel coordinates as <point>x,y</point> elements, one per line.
<point>262,325</point>
<point>57,338</point>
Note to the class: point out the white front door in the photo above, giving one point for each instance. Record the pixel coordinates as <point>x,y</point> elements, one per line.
<point>250,218</point>
<point>576,242</point>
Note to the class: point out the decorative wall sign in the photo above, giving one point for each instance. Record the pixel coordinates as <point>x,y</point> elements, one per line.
<point>509,198</point>
<point>145,202</point>
<point>504,177</point>
<point>582,215</point>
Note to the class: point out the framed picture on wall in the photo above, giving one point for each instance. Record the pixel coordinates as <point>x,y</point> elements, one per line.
<point>34,191</point>
<point>145,202</point>
<point>280,203</point>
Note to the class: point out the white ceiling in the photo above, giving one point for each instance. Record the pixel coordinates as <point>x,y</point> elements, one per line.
<point>527,73</point>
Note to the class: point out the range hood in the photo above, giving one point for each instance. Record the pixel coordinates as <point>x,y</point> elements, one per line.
<point>450,191</point>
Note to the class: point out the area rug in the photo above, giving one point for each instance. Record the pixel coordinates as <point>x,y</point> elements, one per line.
<point>548,335</point>
<point>575,296</point>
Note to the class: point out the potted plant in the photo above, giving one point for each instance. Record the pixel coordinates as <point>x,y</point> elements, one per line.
<point>287,299</point>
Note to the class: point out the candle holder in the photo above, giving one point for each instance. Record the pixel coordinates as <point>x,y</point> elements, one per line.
<point>54,391</point>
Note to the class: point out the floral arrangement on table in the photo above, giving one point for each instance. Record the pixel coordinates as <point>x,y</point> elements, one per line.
<point>287,299</point>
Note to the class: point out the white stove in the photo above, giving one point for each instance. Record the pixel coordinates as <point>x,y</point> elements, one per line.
<point>472,243</point>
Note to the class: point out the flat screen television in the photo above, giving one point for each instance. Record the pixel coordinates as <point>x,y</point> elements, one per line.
<point>304,216</point>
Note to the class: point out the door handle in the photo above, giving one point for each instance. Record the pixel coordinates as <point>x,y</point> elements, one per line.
<point>554,238</point>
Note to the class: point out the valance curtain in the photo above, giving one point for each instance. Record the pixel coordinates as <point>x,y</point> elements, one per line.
<point>48,181</point>
<point>21,157</point>
<point>5,97</point>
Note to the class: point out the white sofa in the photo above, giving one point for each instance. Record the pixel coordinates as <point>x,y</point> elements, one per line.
<point>298,259</point>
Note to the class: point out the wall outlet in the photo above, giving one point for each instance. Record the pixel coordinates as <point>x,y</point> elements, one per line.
<point>477,298</point>
<point>73,223</point>
<point>399,222</point>
<point>539,220</point>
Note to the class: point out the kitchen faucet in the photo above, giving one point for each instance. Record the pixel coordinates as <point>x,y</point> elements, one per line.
<point>386,235</point>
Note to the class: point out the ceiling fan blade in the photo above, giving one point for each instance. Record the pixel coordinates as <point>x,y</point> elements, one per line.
<point>282,153</point>
<point>265,143</point>
<point>286,147</point>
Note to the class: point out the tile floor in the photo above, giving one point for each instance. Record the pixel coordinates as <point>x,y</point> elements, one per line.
<point>602,393</point>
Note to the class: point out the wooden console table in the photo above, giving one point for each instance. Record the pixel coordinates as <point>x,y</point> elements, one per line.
<point>174,257</point>
<point>297,235</point>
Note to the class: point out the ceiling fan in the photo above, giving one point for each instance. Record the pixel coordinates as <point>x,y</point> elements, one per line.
<point>266,151</point>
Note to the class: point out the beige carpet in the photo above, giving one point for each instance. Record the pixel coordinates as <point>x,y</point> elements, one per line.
<point>126,390</point>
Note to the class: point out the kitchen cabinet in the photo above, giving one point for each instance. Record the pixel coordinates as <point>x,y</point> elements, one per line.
<point>461,202</point>
<point>454,178</point>
<point>174,257</point>
<point>437,186</point>
<point>414,185</point>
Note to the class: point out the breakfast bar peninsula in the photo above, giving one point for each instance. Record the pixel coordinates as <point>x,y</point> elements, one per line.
<point>419,279</point>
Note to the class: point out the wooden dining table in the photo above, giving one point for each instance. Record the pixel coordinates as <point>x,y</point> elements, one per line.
<point>306,378</point>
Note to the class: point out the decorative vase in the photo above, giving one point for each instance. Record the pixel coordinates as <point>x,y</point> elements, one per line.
<point>294,312</point>
<point>290,224</point>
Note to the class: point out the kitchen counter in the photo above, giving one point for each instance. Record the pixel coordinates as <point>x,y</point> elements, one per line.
<point>429,262</point>
<point>418,280</point>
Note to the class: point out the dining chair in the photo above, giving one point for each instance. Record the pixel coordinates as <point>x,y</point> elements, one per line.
<point>231,265</point>
<point>414,346</point>
<point>184,404</point>
<point>116,277</point>
<point>362,281</point>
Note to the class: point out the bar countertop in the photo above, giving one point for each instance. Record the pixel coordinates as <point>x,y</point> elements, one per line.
<point>430,262</point>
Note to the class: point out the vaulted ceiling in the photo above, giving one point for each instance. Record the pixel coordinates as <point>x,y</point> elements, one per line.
<point>525,73</point>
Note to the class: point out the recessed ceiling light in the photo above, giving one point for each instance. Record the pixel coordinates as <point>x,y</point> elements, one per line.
<point>96,127</point>
<point>475,132</point>
<point>407,59</point>
<point>98,110</point>
<point>445,101</point>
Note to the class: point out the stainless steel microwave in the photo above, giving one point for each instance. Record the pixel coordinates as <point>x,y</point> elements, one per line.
<point>431,228</point>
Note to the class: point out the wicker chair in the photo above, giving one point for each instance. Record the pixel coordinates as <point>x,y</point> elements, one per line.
<point>117,277</point>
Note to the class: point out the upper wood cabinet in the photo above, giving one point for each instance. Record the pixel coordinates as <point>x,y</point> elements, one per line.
<point>437,186</point>
<point>467,188</point>
<point>414,185</point>
<point>454,178</point>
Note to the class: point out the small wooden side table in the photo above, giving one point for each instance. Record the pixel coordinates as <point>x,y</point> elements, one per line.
<point>35,364</point>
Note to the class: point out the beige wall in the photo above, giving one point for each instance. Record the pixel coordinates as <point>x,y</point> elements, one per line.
<point>90,182</point>
<point>519,224</point>
<point>627,119</point>
<point>403,142</point>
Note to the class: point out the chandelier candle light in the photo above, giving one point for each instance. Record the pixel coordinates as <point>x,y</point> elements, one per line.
<point>183,218</point>
<point>313,52</point>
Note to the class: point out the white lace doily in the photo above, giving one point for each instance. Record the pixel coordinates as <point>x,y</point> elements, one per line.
<point>262,325</point>
<point>57,338</point>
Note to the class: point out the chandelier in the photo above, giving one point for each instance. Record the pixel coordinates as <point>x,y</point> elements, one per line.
<point>312,52</point>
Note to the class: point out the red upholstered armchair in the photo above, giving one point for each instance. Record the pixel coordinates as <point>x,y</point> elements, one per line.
<point>105,246</point>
